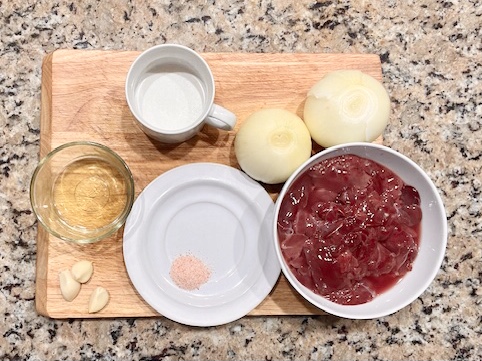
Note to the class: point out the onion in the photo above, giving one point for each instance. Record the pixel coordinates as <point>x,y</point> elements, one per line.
<point>346,106</point>
<point>271,144</point>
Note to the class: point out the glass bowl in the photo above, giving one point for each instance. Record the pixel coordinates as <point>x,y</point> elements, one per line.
<point>432,236</point>
<point>82,192</point>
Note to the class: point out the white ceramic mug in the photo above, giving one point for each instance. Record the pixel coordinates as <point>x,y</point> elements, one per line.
<point>170,91</point>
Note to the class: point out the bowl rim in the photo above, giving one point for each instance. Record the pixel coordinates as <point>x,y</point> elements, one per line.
<point>342,310</point>
<point>112,227</point>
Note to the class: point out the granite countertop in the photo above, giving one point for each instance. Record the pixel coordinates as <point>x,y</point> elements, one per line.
<point>431,56</point>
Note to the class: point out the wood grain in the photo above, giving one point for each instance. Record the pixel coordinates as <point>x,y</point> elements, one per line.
<point>83,99</point>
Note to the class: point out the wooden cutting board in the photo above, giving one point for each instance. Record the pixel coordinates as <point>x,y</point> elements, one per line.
<point>83,99</point>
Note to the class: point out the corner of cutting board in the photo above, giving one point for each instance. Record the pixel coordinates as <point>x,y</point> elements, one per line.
<point>41,297</point>
<point>49,57</point>
<point>47,70</point>
<point>46,105</point>
<point>41,308</point>
<point>41,272</point>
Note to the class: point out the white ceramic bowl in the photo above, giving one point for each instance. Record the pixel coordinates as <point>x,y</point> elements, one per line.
<point>433,236</point>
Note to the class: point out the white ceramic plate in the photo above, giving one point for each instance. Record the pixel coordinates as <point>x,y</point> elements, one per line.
<point>217,214</point>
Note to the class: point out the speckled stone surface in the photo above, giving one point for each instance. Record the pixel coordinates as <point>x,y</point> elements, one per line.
<point>431,53</point>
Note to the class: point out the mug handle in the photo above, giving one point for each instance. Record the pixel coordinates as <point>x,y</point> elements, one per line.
<point>221,118</point>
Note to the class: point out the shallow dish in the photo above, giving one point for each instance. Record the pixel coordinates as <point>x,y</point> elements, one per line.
<point>82,192</point>
<point>433,235</point>
<point>217,214</point>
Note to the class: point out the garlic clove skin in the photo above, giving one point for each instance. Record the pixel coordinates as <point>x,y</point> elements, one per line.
<point>98,299</point>
<point>346,106</point>
<point>69,287</point>
<point>82,271</point>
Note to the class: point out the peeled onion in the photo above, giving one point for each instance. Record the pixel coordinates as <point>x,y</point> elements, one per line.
<point>346,106</point>
<point>271,144</point>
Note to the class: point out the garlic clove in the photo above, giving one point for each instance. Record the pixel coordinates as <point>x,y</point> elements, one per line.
<point>82,271</point>
<point>69,287</point>
<point>98,299</point>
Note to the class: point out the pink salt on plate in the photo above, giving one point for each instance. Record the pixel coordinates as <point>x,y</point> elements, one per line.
<point>189,272</point>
